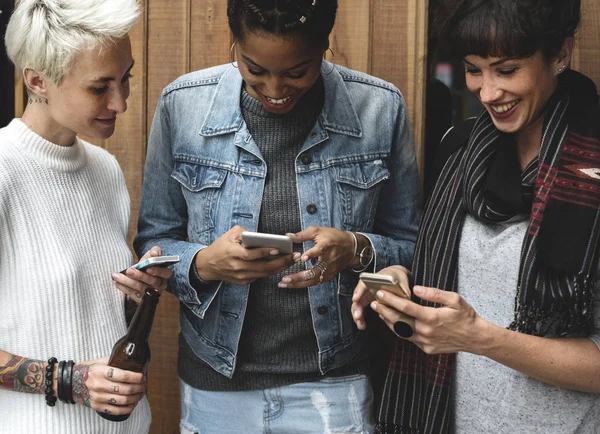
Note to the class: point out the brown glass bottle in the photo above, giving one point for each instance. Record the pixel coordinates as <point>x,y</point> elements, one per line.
<point>132,352</point>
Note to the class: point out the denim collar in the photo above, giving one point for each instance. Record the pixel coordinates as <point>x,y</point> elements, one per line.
<point>338,114</point>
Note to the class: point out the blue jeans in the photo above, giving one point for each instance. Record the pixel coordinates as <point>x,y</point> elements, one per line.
<point>329,406</point>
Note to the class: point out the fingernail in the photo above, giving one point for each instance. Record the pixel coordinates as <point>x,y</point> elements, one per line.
<point>114,276</point>
<point>282,285</point>
<point>379,294</point>
<point>130,272</point>
<point>274,252</point>
<point>297,256</point>
<point>354,313</point>
<point>305,258</point>
<point>374,306</point>
<point>286,279</point>
<point>289,234</point>
<point>151,271</point>
<point>418,290</point>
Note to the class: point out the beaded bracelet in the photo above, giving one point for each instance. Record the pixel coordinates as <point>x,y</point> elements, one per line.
<point>50,398</point>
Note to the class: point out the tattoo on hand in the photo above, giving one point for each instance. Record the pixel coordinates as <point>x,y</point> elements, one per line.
<point>112,401</point>
<point>107,411</point>
<point>81,394</point>
<point>116,389</point>
<point>23,375</point>
<point>110,373</point>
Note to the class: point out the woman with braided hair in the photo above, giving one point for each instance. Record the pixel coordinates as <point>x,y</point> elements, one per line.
<point>507,295</point>
<point>281,142</point>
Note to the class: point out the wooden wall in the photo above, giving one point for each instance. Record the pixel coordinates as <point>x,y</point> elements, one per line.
<point>386,38</point>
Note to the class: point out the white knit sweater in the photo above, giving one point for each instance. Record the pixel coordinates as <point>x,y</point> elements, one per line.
<point>64,213</point>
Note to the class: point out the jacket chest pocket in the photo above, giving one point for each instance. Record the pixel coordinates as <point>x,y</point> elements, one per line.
<point>359,186</point>
<point>202,187</point>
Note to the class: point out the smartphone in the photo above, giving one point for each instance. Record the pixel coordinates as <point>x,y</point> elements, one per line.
<point>405,325</point>
<point>155,261</point>
<point>257,239</point>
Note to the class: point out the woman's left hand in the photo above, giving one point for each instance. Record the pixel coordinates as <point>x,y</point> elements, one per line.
<point>333,249</point>
<point>134,282</point>
<point>455,326</point>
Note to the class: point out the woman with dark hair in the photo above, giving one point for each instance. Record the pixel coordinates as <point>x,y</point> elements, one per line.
<point>281,142</point>
<point>507,295</point>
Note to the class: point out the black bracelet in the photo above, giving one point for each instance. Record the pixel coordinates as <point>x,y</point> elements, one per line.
<point>50,398</point>
<point>60,384</point>
<point>68,385</point>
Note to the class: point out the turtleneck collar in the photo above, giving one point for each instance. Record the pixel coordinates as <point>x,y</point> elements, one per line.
<point>50,155</point>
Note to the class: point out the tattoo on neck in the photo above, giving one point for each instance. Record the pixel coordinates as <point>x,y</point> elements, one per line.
<point>37,99</point>
<point>81,394</point>
<point>23,375</point>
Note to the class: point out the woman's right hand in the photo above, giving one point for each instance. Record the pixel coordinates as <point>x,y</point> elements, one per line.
<point>362,297</point>
<point>227,260</point>
<point>107,389</point>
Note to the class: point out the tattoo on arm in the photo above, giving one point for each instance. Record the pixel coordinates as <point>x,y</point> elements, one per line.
<point>81,394</point>
<point>23,375</point>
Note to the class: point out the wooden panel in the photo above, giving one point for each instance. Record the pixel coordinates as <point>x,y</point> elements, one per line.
<point>168,47</point>
<point>128,141</point>
<point>210,35</point>
<point>349,39</point>
<point>587,53</point>
<point>399,55</point>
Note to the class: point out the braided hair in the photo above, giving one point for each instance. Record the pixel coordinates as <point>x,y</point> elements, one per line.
<point>313,19</point>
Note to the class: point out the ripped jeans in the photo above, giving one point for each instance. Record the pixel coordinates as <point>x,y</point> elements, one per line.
<point>340,405</point>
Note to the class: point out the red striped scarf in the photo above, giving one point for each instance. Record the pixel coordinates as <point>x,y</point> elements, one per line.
<point>560,190</point>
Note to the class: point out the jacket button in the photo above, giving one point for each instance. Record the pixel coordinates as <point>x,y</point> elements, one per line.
<point>306,159</point>
<point>322,310</point>
<point>311,208</point>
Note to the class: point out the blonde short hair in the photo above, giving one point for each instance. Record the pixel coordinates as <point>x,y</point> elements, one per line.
<point>47,35</point>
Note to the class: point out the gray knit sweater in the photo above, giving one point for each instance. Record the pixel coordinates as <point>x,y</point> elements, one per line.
<point>490,397</point>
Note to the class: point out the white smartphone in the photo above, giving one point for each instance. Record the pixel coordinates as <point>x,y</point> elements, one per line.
<point>155,261</point>
<point>405,325</point>
<point>258,239</point>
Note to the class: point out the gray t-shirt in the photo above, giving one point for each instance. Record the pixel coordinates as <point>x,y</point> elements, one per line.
<point>490,397</point>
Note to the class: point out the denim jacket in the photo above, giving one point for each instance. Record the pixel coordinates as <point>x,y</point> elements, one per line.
<point>204,174</point>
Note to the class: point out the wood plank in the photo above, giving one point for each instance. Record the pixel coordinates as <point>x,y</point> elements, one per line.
<point>210,35</point>
<point>128,141</point>
<point>587,50</point>
<point>349,39</point>
<point>399,55</point>
<point>168,54</point>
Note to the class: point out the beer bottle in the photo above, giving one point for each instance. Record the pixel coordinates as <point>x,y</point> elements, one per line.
<point>132,351</point>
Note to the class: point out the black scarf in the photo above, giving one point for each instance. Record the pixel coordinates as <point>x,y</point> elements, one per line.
<point>561,193</point>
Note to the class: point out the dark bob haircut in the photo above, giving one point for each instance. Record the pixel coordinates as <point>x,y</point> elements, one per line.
<point>507,28</point>
<point>313,19</point>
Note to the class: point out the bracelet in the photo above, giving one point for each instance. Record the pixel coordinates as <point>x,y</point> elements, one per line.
<point>355,245</point>
<point>68,382</point>
<point>367,250</point>
<point>50,398</point>
<point>60,384</point>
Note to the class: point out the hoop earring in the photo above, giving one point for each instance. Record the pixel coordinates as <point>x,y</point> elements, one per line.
<point>331,61</point>
<point>231,55</point>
